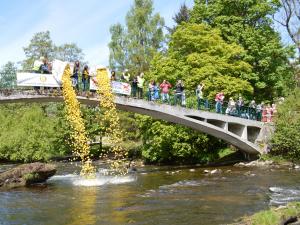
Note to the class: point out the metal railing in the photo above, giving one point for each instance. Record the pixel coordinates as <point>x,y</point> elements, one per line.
<point>190,101</point>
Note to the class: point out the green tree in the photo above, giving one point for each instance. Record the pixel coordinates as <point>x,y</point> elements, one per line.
<point>286,139</point>
<point>68,52</point>
<point>183,15</point>
<point>26,133</point>
<point>118,48</point>
<point>40,45</point>
<point>133,47</point>
<point>8,75</point>
<point>248,23</point>
<point>167,143</point>
<point>197,53</point>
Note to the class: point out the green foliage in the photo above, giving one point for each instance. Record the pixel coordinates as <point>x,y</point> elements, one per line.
<point>166,143</point>
<point>41,45</point>
<point>30,177</point>
<point>133,47</point>
<point>8,75</point>
<point>26,133</point>
<point>183,15</point>
<point>248,24</point>
<point>68,52</point>
<point>197,53</point>
<point>286,140</point>
<point>273,215</point>
<point>129,126</point>
<point>118,47</point>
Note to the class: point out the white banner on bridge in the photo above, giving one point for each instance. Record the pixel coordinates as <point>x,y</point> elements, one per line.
<point>44,80</point>
<point>117,87</point>
<point>37,79</point>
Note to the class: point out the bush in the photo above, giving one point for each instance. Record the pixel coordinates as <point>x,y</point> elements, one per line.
<point>169,143</point>
<point>286,139</point>
<point>27,133</point>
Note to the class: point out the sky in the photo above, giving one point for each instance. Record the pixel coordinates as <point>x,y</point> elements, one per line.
<point>84,22</point>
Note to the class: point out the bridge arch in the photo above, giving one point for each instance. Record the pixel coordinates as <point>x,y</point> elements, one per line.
<point>242,133</point>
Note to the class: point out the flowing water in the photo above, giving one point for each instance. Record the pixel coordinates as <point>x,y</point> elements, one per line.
<point>152,195</point>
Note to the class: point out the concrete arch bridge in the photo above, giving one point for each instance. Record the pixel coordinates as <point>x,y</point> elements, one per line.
<point>247,135</point>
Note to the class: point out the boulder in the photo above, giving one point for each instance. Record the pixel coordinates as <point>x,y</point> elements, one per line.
<point>215,171</point>
<point>256,163</point>
<point>26,174</point>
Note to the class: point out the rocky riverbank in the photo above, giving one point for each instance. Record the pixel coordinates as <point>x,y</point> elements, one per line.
<point>26,174</point>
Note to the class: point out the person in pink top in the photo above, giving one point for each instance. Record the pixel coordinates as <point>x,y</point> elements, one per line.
<point>165,87</point>
<point>219,102</point>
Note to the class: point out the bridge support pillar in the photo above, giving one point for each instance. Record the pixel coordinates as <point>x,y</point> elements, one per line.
<point>226,126</point>
<point>245,133</point>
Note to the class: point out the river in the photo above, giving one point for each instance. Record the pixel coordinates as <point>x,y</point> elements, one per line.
<point>152,195</point>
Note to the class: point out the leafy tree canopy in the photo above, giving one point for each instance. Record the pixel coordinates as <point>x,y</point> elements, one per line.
<point>69,52</point>
<point>8,75</point>
<point>133,47</point>
<point>197,53</point>
<point>168,143</point>
<point>248,23</point>
<point>41,45</point>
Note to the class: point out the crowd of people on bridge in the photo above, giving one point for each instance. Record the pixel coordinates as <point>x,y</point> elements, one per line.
<point>161,91</point>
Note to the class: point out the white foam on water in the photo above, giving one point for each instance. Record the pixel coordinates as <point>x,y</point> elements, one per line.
<point>99,180</point>
<point>185,183</point>
<point>281,196</point>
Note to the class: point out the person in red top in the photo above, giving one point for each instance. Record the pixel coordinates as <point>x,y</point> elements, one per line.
<point>165,86</point>
<point>219,101</point>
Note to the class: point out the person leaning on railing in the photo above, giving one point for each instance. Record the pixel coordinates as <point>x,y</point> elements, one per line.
<point>259,110</point>
<point>134,87</point>
<point>219,102</point>
<point>199,94</point>
<point>75,75</point>
<point>239,105</point>
<point>179,89</point>
<point>140,85</point>
<point>37,65</point>
<point>165,87</point>
<point>85,78</point>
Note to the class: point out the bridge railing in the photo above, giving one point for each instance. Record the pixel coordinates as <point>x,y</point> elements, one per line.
<point>189,100</point>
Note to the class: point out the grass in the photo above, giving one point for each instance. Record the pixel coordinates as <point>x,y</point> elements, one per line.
<point>272,216</point>
<point>276,159</point>
<point>224,152</point>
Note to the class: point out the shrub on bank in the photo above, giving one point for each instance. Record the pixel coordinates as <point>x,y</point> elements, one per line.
<point>286,139</point>
<point>168,143</point>
<point>27,133</point>
<point>273,215</point>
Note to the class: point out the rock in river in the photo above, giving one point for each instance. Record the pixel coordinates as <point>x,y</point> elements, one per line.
<point>26,174</point>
